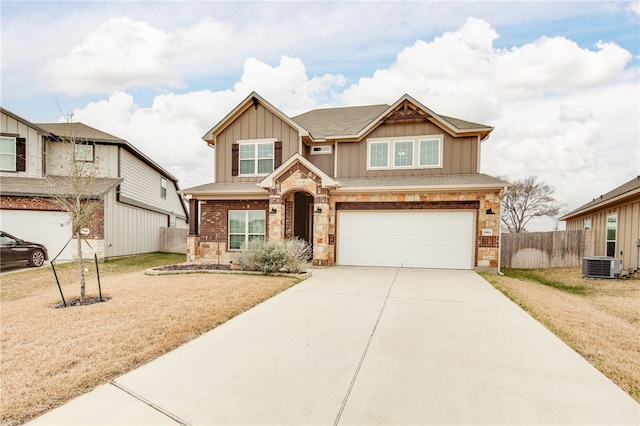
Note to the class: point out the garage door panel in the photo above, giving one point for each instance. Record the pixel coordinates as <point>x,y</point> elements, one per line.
<point>406,239</point>
<point>45,227</point>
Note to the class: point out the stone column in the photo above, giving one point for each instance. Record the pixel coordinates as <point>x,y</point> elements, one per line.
<point>276,219</point>
<point>321,230</point>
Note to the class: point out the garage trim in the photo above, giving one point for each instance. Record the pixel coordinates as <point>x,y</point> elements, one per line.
<point>436,206</point>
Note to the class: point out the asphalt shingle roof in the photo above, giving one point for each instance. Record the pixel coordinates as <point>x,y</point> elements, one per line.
<point>50,186</point>
<point>602,200</point>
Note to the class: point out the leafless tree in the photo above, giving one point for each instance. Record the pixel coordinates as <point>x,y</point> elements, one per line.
<point>526,199</point>
<point>73,187</point>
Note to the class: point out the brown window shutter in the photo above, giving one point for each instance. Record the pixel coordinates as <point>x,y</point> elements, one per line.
<point>21,154</point>
<point>277,154</point>
<point>235,154</point>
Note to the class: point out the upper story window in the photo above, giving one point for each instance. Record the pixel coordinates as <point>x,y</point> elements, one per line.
<point>8,153</point>
<point>84,152</point>
<point>163,187</point>
<point>256,157</point>
<point>13,152</point>
<point>405,153</point>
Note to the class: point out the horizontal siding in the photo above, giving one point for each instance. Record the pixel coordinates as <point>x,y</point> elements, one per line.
<point>253,123</point>
<point>34,145</point>
<point>460,155</point>
<point>141,183</point>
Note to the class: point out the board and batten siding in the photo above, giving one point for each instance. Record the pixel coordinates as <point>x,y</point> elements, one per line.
<point>142,185</point>
<point>627,235</point>
<point>460,155</point>
<point>324,162</point>
<point>59,155</point>
<point>13,127</point>
<point>130,230</point>
<point>253,123</point>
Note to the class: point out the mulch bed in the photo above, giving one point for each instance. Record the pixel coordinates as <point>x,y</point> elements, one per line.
<point>84,302</point>
<point>194,267</point>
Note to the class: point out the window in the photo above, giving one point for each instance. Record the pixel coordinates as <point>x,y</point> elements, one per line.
<point>403,153</point>
<point>163,187</point>
<point>8,153</point>
<point>245,226</point>
<point>612,230</point>
<point>256,158</point>
<point>429,152</point>
<point>84,152</point>
<point>323,149</point>
<point>415,153</point>
<point>378,155</point>
<point>587,224</point>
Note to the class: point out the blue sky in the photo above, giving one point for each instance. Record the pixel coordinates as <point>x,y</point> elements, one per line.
<point>558,80</point>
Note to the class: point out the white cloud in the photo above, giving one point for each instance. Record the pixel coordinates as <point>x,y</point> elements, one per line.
<point>170,130</point>
<point>118,54</point>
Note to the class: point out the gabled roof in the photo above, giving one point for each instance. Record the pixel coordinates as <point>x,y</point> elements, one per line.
<point>253,100</point>
<point>355,122</point>
<point>327,181</point>
<point>22,120</point>
<point>83,132</point>
<point>626,190</point>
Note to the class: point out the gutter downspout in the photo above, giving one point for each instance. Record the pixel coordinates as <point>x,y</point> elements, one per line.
<point>504,190</point>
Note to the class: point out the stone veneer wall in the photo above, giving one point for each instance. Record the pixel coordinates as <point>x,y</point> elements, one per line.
<point>486,247</point>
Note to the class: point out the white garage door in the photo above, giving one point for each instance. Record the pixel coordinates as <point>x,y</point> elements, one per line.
<point>406,239</point>
<point>45,227</point>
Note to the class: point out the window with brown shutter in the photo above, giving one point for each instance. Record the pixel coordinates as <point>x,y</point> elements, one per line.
<point>234,159</point>
<point>277,154</point>
<point>21,154</point>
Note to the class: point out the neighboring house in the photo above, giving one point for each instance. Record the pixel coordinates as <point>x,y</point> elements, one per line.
<point>614,223</point>
<point>384,185</point>
<point>138,196</point>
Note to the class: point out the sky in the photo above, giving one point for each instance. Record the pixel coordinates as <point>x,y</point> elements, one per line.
<point>559,81</point>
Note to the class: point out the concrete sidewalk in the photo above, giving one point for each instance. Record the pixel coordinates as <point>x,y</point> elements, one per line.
<point>366,346</point>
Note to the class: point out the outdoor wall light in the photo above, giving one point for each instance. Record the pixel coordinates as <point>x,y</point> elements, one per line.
<point>489,211</point>
<point>318,210</point>
<point>273,211</point>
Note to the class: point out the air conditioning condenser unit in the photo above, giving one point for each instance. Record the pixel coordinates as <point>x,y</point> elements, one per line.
<point>601,267</point>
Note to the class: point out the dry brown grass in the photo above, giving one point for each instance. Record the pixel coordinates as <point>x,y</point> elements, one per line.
<point>600,319</point>
<point>52,355</point>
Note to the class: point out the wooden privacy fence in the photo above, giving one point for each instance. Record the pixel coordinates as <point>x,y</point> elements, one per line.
<point>545,249</point>
<point>173,240</point>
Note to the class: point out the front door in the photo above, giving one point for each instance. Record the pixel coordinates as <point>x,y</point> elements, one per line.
<point>303,216</point>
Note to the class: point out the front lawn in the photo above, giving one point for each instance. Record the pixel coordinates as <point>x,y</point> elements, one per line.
<point>52,355</point>
<point>598,318</point>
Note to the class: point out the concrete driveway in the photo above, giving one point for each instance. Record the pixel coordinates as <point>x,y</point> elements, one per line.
<point>358,346</point>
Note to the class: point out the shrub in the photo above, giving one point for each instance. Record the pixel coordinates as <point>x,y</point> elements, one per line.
<point>298,254</point>
<point>250,255</point>
<point>273,257</point>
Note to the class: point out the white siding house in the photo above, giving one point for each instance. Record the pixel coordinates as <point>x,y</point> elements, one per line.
<point>138,196</point>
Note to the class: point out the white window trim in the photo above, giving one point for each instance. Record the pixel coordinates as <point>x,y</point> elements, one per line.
<point>413,153</point>
<point>246,227</point>
<point>606,235</point>
<point>256,142</point>
<point>440,139</point>
<point>416,152</point>
<point>87,145</point>
<point>321,150</point>
<point>369,143</point>
<point>15,154</point>
<point>163,187</point>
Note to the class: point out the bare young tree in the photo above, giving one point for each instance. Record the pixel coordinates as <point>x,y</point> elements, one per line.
<point>73,186</point>
<point>526,199</point>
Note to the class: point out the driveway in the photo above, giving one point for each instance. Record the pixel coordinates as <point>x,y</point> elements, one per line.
<point>357,346</point>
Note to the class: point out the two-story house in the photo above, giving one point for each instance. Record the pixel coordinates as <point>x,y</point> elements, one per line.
<point>138,197</point>
<point>381,185</point>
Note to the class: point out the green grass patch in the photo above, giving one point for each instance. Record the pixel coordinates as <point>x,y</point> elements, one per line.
<point>538,277</point>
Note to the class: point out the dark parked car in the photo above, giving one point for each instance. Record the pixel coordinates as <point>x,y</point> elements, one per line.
<point>16,251</point>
